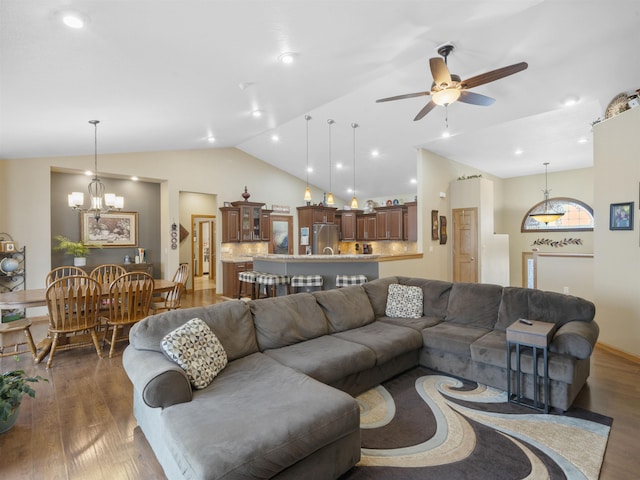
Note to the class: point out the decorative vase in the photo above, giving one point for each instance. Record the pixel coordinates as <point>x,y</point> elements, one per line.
<point>6,425</point>
<point>246,194</point>
<point>79,261</point>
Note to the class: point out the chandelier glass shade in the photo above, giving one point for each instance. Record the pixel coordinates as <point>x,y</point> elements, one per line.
<point>548,215</point>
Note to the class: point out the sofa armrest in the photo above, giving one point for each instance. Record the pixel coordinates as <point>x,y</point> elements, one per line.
<point>576,338</point>
<point>160,381</point>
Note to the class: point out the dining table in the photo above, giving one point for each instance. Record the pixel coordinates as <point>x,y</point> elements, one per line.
<point>36,297</point>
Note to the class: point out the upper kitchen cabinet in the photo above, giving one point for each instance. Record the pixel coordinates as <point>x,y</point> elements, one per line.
<point>348,224</point>
<point>245,222</point>
<point>390,222</point>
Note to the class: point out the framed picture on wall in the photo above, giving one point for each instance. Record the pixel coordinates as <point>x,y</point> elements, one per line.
<point>621,216</point>
<point>118,229</point>
<point>434,225</point>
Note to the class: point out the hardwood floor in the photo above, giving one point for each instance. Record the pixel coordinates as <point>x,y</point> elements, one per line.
<point>80,425</point>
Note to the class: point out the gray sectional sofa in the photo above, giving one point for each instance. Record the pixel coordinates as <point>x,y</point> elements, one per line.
<point>283,406</point>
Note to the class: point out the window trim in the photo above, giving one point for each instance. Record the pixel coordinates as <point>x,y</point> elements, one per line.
<point>561,200</point>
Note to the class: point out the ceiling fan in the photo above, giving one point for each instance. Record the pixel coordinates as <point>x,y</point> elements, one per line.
<point>448,88</point>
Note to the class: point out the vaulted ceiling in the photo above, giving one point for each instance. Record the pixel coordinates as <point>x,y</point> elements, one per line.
<point>167,75</point>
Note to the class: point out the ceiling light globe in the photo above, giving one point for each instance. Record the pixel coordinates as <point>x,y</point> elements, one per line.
<point>446,96</point>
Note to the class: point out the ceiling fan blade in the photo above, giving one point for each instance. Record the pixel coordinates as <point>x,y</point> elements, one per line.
<point>494,75</point>
<point>406,95</point>
<point>475,98</point>
<point>440,72</point>
<point>426,109</point>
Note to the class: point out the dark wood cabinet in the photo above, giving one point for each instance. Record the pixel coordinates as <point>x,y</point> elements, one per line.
<point>390,223</point>
<point>230,271</point>
<point>366,227</point>
<point>245,222</point>
<point>348,224</point>
<point>309,215</point>
<point>411,222</point>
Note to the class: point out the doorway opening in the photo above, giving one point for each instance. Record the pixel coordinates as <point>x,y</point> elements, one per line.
<point>203,252</point>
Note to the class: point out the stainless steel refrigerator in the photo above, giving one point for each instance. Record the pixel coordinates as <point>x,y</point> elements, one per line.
<point>325,237</point>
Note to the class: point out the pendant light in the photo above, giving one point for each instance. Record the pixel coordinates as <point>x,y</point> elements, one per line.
<point>548,215</point>
<point>354,200</point>
<point>100,202</point>
<point>307,192</point>
<point>330,200</point>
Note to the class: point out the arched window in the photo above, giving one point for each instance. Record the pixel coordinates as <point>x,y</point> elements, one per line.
<point>578,216</point>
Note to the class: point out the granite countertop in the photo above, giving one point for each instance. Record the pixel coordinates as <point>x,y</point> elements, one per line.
<point>323,258</point>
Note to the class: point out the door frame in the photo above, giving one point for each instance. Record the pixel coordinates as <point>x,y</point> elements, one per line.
<point>212,246</point>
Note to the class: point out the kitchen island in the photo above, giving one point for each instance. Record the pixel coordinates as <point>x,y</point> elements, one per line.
<point>326,265</point>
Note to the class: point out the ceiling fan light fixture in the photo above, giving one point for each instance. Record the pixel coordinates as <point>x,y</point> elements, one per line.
<point>446,96</point>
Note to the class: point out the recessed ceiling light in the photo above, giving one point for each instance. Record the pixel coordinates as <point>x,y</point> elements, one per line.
<point>256,113</point>
<point>211,139</point>
<point>287,57</point>
<point>375,153</point>
<point>446,134</point>
<point>582,140</point>
<point>570,101</point>
<point>88,173</point>
<point>518,151</point>
<point>349,190</point>
<point>339,166</point>
<point>73,19</point>
<point>134,178</point>
<point>309,169</point>
<point>275,137</point>
<point>413,180</point>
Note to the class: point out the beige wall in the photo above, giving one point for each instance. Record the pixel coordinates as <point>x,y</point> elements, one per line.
<point>524,192</point>
<point>223,172</point>
<point>617,253</point>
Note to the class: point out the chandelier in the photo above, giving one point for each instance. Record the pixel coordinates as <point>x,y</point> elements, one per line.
<point>100,202</point>
<point>354,200</point>
<point>547,215</point>
<point>330,200</point>
<point>307,192</point>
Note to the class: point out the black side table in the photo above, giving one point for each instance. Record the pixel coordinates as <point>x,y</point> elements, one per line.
<point>537,335</point>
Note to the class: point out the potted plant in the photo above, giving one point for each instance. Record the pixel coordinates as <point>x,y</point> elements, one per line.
<point>13,386</point>
<point>78,249</point>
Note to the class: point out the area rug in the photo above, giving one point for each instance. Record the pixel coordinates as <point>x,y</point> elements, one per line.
<point>425,425</point>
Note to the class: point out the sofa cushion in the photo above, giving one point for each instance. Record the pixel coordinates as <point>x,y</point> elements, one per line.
<point>435,293</point>
<point>418,324</point>
<point>534,304</point>
<point>385,340</point>
<point>197,350</point>
<point>377,291</point>
<point>491,349</point>
<point>474,304</point>
<point>452,337</point>
<point>287,320</point>
<point>281,416</point>
<point>345,308</point>
<point>230,321</point>
<point>404,301</point>
<point>326,358</point>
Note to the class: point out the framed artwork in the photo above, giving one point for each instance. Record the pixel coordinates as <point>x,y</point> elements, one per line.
<point>110,230</point>
<point>621,216</point>
<point>434,225</point>
<point>443,230</point>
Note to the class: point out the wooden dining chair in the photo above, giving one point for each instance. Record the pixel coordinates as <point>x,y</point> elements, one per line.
<point>129,301</point>
<point>107,273</point>
<point>64,271</point>
<point>74,313</point>
<point>171,300</point>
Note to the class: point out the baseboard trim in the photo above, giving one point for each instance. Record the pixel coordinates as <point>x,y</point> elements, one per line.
<point>618,352</point>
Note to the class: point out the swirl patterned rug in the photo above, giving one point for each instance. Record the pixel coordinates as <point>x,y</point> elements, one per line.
<point>424,425</point>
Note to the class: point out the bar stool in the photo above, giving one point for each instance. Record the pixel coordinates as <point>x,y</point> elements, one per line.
<point>247,277</point>
<point>306,281</point>
<point>346,280</point>
<point>271,281</point>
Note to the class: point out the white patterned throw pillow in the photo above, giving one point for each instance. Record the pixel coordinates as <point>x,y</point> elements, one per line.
<point>404,301</point>
<point>197,350</point>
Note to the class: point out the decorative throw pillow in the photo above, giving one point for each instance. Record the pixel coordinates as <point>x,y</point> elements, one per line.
<point>197,350</point>
<point>404,301</point>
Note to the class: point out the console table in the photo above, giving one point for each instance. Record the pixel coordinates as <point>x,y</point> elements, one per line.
<point>537,335</point>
